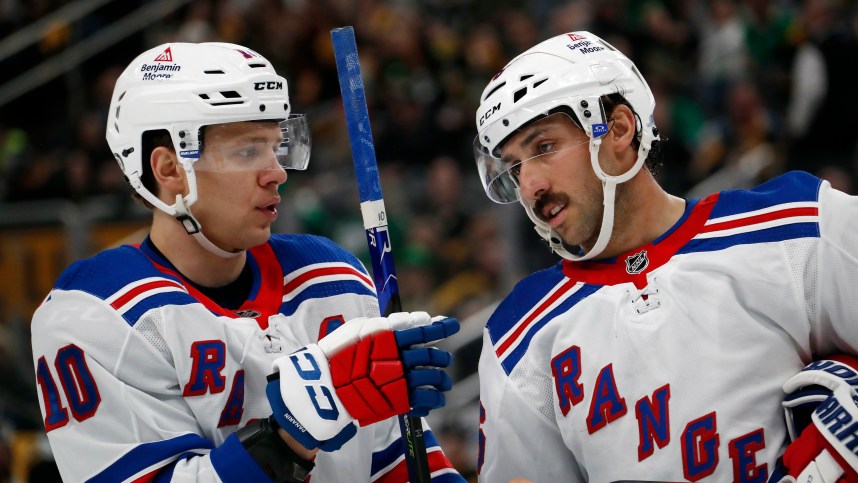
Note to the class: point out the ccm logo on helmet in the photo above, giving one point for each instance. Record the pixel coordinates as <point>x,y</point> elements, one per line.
<point>270,85</point>
<point>489,113</point>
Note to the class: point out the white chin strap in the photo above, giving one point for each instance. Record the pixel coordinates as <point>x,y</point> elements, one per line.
<point>192,226</point>
<point>181,210</point>
<point>609,190</point>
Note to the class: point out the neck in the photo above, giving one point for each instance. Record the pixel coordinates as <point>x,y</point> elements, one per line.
<point>643,212</point>
<point>189,257</point>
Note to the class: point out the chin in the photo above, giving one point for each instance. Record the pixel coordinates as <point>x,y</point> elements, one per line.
<point>258,238</point>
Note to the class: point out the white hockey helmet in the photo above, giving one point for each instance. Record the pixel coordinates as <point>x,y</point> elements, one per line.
<point>573,72</point>
<point>183,87</point>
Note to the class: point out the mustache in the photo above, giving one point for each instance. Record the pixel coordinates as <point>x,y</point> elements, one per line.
<point>547,198</point>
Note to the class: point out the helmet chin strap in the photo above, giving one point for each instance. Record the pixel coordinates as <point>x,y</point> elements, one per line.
<point>556,243</point>
<point>193,227</point>
<point>609,190</point>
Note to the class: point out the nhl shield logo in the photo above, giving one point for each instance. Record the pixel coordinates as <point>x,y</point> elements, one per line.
<point>637,263</point>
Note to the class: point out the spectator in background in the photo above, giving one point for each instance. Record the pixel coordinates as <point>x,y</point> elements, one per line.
<point>737,150</point>
<point>722,57</point>
<point>824,89</point>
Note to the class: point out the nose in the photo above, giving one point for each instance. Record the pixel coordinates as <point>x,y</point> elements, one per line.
<point>532,179</point>
<point>275,174</point>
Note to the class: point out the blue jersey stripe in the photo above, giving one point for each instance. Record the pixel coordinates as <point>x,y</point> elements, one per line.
<point>234,464</point>
<point>133,314</point>
<point>512,358</point>
<point>523,298</point>
<point>312,249</point>
<point>382,459</point>
<point>774,234</point>
<point>448,478</point>
<point>148,454</point>
<point>795,186</point>
<point>325,289</point>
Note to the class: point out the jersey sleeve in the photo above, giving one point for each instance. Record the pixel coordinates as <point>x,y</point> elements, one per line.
<point>388,458</point>
<point>515,440</point>
<point>831,284</point>
<point>111,407</point>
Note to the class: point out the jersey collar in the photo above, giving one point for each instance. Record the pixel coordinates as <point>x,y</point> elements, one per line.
<point>634,265</point>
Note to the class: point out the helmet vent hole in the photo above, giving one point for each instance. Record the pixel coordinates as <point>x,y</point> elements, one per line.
<point>539,83</point>
<point>121,96</point>
<point>117,110</point>
<point>218,71</point>
<point>254,66</point>
<point>204,96</point>
<point>519,94</point>
<point>494,90</point>
<point>230,94</point>
<point>525,77</point>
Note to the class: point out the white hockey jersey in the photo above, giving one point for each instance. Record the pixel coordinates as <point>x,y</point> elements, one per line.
<point>141,377</point>
<point>666,363</point>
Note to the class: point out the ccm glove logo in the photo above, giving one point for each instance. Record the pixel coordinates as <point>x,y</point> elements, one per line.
<point>320,395</point>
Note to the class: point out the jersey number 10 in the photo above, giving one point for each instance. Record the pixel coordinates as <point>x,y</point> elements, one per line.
<point>77,383</point>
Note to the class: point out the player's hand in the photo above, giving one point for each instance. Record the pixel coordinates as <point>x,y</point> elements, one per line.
<point>367,370</point>
<point>821,416</point>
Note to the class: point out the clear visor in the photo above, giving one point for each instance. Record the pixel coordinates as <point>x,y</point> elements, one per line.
<point>545,138</point>
<point>257,145</point>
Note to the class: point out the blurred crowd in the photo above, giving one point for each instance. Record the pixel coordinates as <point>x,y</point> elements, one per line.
<point>745,90</point>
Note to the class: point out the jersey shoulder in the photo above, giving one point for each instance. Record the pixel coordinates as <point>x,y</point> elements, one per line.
<point>315,267</point>
<point>532,304</point>
<point>295,251</point>
<point>126,280</point>
<point>784,208</point>
<point>794,187</point>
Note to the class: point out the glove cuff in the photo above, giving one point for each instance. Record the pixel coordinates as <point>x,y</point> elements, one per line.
<point>837,421</point>
<point>272,454</point>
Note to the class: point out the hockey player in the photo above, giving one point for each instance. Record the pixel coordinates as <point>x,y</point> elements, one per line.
<point>214,350</point>
<point>661,347</point>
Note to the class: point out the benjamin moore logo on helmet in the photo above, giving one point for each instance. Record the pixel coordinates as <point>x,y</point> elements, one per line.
<point>160,71</point>
<point>585,47</point>
<point>165,56</point>
<point>194,153</point>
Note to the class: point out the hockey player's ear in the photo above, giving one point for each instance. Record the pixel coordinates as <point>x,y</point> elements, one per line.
<point>168,172</point>
<point>621,133</point>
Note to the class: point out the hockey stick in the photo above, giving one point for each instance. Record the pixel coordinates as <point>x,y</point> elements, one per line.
<point>375,220</point>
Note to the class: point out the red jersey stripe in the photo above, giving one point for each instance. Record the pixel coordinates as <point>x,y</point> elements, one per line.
<point>764,217</point>
<point>534,315</point>
<point>322,272</point>
<point>134,292</point>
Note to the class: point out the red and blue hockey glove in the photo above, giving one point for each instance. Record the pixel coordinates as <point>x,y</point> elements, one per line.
<point>368,370</point>
<point>822,420</point>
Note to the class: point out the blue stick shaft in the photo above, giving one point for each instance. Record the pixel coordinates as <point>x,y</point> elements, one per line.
<point>374,219</point>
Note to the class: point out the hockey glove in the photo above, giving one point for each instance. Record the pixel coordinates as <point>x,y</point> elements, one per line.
<point>822,420</point>
<point>368,370</point>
